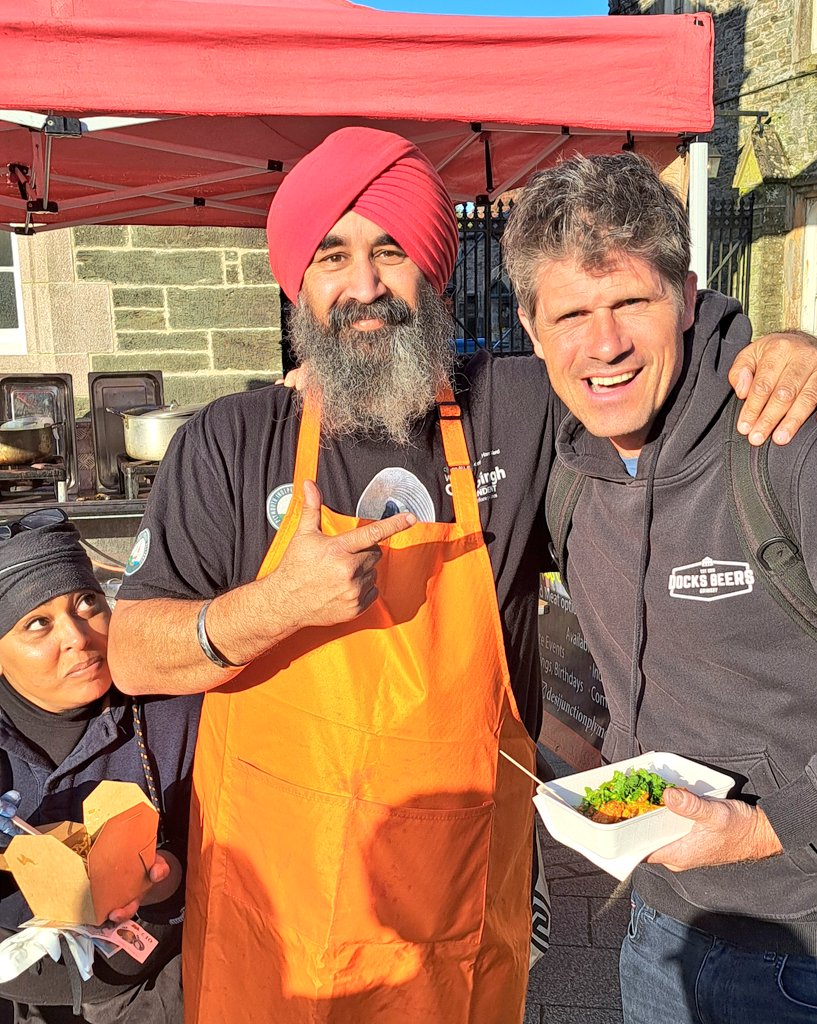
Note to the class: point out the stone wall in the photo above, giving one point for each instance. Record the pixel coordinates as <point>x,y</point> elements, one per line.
<point>636,6</point>
<point>764,61</point>
<point>199,304</point>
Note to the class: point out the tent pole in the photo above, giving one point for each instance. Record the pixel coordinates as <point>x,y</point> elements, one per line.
<point>698,203</point>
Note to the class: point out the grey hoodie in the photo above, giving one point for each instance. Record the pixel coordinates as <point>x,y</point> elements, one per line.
<point>719,674</point>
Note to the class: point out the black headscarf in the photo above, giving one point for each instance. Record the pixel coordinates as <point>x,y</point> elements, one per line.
<point>39,565</point>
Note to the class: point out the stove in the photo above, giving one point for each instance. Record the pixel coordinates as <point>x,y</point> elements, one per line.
<point>136,476</point>
<point>41,483</point>
<point>50,395</point>
<point>89,474</point>
<point>110,393</point>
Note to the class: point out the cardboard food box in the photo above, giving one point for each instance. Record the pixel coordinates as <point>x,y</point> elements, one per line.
<point>78,873</point>
<point>618,847</point>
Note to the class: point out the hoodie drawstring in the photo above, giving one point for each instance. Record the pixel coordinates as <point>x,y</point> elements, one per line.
<point>640,616</point>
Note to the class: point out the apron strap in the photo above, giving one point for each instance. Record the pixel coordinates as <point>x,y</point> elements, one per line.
<point>463,488</point>
<point>309,438</point>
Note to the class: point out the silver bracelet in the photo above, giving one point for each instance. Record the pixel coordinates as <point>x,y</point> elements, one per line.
<point>204,641</point>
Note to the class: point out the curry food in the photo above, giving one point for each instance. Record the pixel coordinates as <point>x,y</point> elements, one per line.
<point>624,796</point>
<point>78,840</point>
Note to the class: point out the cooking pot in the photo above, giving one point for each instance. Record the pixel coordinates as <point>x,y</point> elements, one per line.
<point>149,428</point>
<point>26,440</point>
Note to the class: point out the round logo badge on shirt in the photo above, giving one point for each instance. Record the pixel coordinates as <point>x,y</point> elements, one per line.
<point>139,552</point>
<point>278,503</point>
<point>395,490</point>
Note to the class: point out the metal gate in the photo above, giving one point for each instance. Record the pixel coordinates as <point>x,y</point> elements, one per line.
<point>482,301</point>
<point>730,246</point>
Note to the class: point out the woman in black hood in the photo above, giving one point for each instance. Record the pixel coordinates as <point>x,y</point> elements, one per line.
<point>63,728</point>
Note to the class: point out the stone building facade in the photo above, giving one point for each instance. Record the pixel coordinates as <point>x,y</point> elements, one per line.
<point>199,304</point>
<point>766,103</point>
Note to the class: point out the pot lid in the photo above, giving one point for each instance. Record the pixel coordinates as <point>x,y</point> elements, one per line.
<point>163,412</point>
<point>27,423</point>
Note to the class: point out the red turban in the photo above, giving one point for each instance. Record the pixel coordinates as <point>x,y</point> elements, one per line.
<point>379,175</point>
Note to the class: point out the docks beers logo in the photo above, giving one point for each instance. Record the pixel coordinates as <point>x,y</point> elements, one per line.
<point>711,580</point>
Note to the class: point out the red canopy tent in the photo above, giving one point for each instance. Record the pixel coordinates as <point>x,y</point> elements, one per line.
<point>226,95</point>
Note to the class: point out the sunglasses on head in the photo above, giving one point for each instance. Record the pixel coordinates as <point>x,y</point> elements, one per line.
<point>33,521</point>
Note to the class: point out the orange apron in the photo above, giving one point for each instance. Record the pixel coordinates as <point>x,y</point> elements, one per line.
<point>359,851</point>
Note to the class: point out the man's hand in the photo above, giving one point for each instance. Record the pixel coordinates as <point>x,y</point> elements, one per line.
<point>320,581</point>
<point>328,580</point>
<point>165,876</point>
<point>725,831</point>
<point>777,377</point>
<point>295,378</point>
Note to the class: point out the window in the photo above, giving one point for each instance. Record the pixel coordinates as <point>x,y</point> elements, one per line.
<point>12,328</point>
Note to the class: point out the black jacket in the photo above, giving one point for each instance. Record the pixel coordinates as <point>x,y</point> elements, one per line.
<point>717,673</point>
<point>108,750</point>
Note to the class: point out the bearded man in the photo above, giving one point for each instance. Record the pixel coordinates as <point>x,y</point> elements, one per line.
<point>353,577</point>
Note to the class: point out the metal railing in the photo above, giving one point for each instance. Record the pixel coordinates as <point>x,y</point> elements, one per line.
<point>730,246</point>
<point>482,301</point>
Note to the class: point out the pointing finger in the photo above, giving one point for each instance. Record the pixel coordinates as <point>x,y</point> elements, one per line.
<point>375,533</point>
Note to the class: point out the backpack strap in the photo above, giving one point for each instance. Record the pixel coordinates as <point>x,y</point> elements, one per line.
<point>563,490</point>
<point>767,539</point>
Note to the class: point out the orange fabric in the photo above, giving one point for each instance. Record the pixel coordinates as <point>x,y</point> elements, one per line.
<point>359,851</point>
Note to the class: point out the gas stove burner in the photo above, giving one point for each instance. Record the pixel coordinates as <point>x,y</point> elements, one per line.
<point>137,476</point>
<point>43,482</point>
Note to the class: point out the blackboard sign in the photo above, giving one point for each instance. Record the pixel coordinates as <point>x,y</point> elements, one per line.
<point>576,715</point>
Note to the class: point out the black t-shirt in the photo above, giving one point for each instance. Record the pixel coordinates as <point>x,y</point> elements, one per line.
<point>222,489</point>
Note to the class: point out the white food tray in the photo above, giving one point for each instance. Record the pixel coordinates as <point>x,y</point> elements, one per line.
<point>617,848</point>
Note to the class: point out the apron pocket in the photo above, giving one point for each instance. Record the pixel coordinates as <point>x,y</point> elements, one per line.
<point>341,870</point>
<point>421,872</point>
<point>270,865</point>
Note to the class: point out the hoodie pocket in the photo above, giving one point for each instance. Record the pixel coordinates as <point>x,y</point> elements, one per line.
<point>756,775</point>
<point>779,888</point>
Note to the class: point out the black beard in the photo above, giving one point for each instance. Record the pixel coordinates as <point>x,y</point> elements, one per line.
<point>377,383</point>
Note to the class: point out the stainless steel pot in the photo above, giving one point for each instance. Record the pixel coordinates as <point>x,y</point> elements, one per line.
<point>21,445</point>
<point>148,429</point>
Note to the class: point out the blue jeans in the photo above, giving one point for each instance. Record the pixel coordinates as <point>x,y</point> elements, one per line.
<point>674,974</point>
